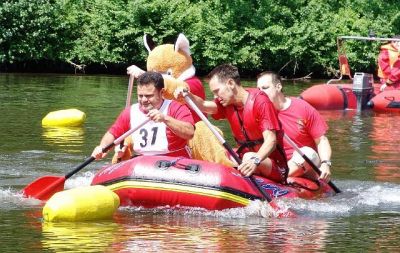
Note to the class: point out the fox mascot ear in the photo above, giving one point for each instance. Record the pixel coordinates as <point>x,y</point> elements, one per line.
<point>182,43</point>
<point>148,42</point>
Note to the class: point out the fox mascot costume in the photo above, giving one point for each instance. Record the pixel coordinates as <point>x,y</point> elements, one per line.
<point>174,61</point>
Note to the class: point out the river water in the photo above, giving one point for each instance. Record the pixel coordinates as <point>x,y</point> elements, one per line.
<point>366,161</point>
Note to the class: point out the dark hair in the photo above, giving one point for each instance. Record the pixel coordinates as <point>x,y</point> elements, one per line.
<point>224,72</point>
<point>151,78</point>
<point>275,78</point>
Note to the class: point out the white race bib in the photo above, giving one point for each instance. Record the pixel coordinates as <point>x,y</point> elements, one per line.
<point>150,139</point>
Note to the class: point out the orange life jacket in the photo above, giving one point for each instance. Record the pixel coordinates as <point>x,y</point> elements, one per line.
<point>393,57</point>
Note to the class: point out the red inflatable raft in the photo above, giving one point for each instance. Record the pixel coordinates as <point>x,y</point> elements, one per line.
<point>342,96</point>
<point>153,181</point>
<point>330,96</point>
<point>386,101</point>
<point>361,93</point>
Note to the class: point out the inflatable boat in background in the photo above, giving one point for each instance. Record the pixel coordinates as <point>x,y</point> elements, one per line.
<point>359,93</point>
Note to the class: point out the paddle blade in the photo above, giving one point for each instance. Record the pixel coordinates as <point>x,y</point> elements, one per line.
<point>43,188</point>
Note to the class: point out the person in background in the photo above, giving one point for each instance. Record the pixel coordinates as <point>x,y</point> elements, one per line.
<point>389,64</point>
<point>252,118</point>
<point>167,133</point>
<point>303,124</point>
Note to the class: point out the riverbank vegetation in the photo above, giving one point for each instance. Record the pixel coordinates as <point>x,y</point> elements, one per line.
<point>295,37</point>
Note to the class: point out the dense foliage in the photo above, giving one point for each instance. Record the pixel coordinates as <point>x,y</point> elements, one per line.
<point>292,36</point>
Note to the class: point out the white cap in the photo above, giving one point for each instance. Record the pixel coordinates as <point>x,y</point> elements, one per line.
<point>310,153</point>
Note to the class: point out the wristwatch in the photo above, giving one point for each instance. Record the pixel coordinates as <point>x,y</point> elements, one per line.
<point>256,160</point>
<point>328,162</point>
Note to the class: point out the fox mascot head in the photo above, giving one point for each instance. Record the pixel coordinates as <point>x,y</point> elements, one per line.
<point>172,60</point>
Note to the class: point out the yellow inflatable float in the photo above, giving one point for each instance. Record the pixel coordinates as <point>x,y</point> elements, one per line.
<point>68,117</point>
<point>81,204</point>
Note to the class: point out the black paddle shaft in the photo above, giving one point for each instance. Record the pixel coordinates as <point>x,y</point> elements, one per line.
<point>311,163</point>
<point>87,161</point>
<point>316,169</point>
<point>106,148</point>
<point>252,179</point>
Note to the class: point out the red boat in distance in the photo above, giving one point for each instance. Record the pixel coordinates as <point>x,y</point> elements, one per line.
<point>360,92</point>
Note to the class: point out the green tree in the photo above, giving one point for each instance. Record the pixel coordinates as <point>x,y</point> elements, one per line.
<point>294,37</point>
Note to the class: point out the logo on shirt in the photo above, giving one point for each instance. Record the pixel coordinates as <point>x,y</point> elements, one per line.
<point>301,124</point>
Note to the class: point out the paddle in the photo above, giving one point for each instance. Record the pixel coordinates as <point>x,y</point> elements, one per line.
<point>128,102</point>
<point>268,198</point>
<point>308,160</point>
<point>44,187</point>
<point>129,93</point>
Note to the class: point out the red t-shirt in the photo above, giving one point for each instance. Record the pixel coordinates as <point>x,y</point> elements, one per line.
<point>176,110</point>
<point>302,123</point>
<point>263,111</point>
<point>265,116</point>
<point>196,88</point>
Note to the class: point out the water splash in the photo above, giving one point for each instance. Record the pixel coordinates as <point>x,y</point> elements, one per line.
<point>256,208</point>
<point>11,199</point>
<point>357,198</point>
<point>83,179</point>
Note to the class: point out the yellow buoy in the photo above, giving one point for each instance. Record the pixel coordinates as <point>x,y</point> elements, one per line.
<point>81,204</point>
<point>68,117</point>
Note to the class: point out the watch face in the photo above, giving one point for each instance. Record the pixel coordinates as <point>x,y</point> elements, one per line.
<point>256,160</point>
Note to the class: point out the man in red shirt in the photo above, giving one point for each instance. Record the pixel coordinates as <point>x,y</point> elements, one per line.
<point>389,64</point>
<point>194,83</point>
<point>253,121</point>
<point>301,123</point>
<point>168,133</point>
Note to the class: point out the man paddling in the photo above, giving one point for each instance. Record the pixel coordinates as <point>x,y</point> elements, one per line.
<point>252,118</point>
<point>302,124</point>
<point>167,133</point>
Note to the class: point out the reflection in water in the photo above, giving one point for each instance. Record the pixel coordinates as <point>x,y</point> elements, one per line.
<point>78,237</point>
<point>357,129</point>
<point>366,143</point>
<point>338,115</point>
<point>66,138</point>
<point>385,148</point>
<point>347,132</point>
<point>369,233</point>
<point>365,217</point>
<point>179,232</point>
<point>155,230</point>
